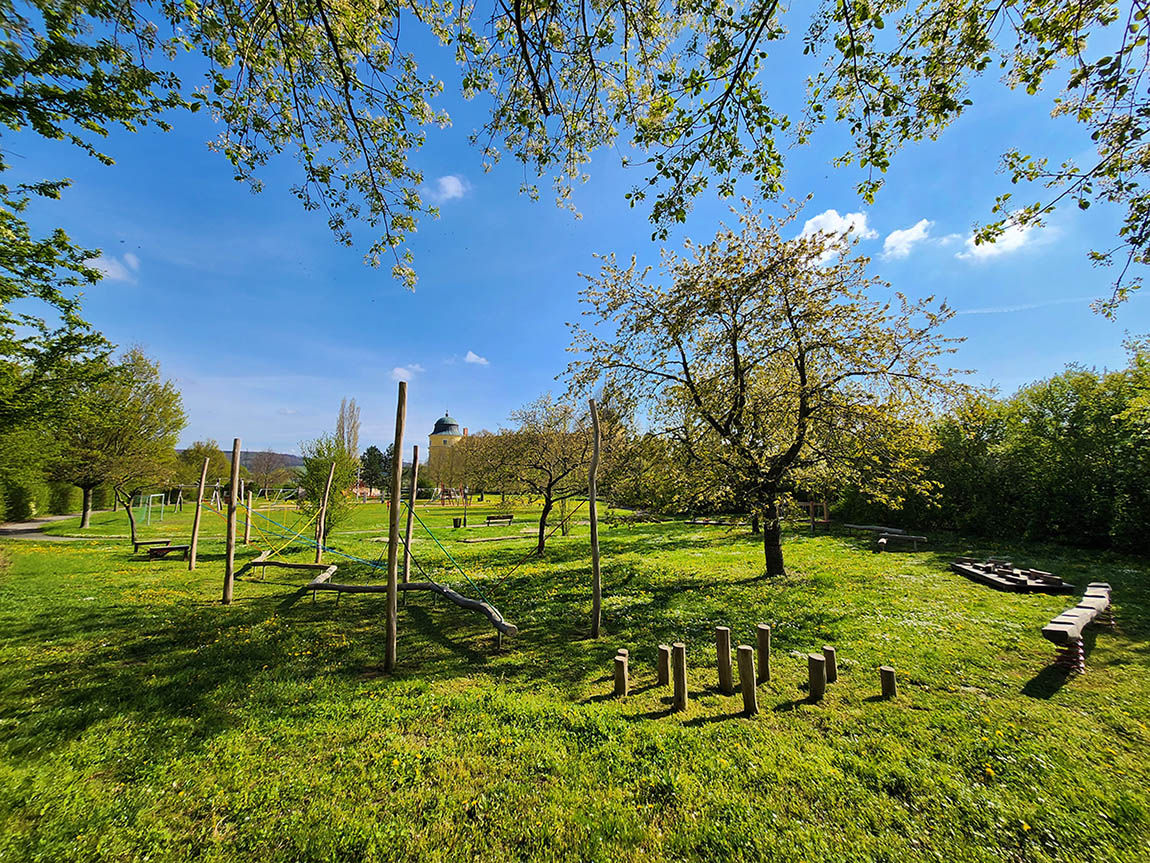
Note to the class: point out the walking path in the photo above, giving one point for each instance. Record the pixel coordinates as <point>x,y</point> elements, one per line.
<point>34,529</point>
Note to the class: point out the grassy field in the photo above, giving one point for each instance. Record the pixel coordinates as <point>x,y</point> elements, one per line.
<point>141,720</point>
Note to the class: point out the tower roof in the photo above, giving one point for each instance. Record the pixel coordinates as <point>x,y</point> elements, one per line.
<point>446,425</point>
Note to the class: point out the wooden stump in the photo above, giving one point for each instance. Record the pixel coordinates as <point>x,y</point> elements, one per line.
<point>832,664</point>
<point>747,679</point>
<point>664,669</point>
<point>679,666</point>
<point>886,676</point>
<point>763,634</point>
<point>817,672</point>
<point>621,686</point>
<point>723,654</point>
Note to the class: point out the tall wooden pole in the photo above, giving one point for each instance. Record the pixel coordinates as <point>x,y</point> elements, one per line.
<point>230,568</point>
<point>393,529</point>
<point>322,518</point>
<point>196,517</point>
<point>248,520</point>
<point>592,475</point>
<point>410,518</point>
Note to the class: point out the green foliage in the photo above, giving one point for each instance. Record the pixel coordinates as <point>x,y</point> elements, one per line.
<point>318,457</point>
<point>1066,458</point>
<point>375,467</point>
<point>153,722</point>
<point>191,462</point>
<point>122,430</point>
<point>338,86</point>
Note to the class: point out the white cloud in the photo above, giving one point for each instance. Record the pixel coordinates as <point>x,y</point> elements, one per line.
<point>839,227</point>
<point>114,269</point>
<point>406,373</point>
<point>1024,307</point>
<point>473,357</point>
<point>899,243</point>
<point>448,188</point>
<point>1011,240</point>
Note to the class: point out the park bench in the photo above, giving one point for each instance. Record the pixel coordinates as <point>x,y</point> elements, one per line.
<point>884,539</point>
<point>137,544</point>
<point>499,519</point>
<point>1065,630</point>
<point>165,550</point>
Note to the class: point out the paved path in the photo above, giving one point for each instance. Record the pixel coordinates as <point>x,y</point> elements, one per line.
<point>34,529</point>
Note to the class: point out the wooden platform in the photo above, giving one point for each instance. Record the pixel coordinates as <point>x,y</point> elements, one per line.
<point>1003,575</point>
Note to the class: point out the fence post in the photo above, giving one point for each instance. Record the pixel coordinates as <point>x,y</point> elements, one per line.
<point>723,655</point>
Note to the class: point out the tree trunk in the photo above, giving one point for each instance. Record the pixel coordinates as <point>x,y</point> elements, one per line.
<point>773,540</point>
<point>131,515</point>
<point>86,508</point>
<point>754,522</point>
<point>547,504</point>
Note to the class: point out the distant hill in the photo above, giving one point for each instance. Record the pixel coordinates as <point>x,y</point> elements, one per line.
<point>289,460</point>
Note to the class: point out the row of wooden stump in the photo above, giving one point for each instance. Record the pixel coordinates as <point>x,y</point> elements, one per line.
<point>672,668</point>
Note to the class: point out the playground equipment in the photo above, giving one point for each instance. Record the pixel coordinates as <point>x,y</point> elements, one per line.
<point>145,502</point>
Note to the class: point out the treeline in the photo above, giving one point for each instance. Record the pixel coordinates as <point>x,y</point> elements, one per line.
<point>1065,459</point>
<point>86,431</point>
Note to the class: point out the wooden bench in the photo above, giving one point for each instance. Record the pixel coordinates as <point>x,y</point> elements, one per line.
<point>165,550</point>
<point>499,519</point>
<point>884,539</point>
<point>1065,630</point>
<point>138,543</point>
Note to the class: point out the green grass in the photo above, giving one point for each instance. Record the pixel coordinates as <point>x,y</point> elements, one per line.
<point>140,720</point>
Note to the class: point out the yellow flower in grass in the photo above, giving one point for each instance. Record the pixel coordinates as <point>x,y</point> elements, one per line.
<point>1025,826</point>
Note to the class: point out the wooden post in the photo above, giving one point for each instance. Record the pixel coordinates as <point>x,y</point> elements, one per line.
<point>664,669</point>
<point>393,530</point>
<point>832,664</point>
<point>679,650</point>
<point>230,566</point>
<point>592,476</point>
<point>196,517</point>
<point>747,679</point>
<point>410,518</point>
<point>321,519</point>
<point>817,672</point>
<point>886,676</point>
<point>248,521</point>
<point>763,635</point>
<point>621,686</point>
<point>723,654</point>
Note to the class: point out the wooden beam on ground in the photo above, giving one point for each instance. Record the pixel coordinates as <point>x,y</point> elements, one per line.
<point>486,609</point>
<point>230,565</point>
<point>196,517</point>
<point>393,531</point>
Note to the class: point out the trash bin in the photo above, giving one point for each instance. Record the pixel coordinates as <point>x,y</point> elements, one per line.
<point>456,522</point>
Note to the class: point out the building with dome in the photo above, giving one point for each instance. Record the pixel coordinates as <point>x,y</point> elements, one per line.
<point>443,437</point>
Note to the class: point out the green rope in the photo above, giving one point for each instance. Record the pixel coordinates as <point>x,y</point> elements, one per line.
<point>448,553</point>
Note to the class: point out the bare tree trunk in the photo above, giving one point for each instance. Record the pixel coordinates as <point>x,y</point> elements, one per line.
<point>773,540</point>
<point>86,508</point>
<point>754,522</point>
<point>547,504</point>
<point>127,501</point>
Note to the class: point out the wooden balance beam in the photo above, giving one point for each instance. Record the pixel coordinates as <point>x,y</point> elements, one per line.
<point>1065,630</point>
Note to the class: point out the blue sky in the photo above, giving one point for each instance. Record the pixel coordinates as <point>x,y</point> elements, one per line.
<point>265,323</point>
